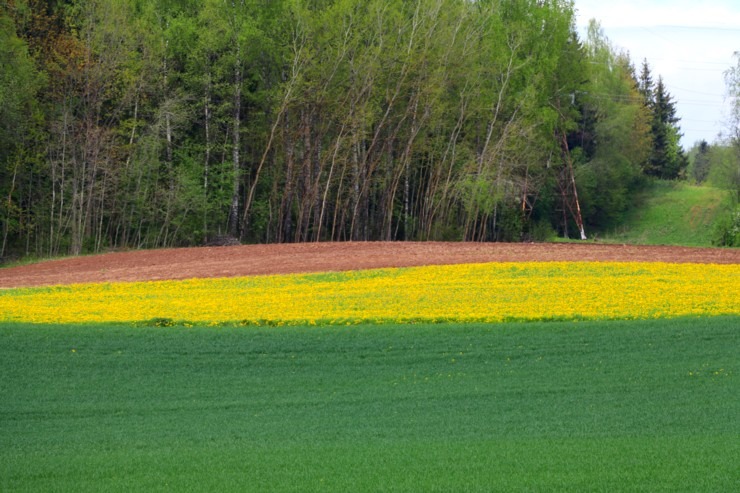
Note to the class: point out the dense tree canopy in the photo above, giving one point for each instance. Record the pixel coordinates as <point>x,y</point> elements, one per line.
<point>159,123</point>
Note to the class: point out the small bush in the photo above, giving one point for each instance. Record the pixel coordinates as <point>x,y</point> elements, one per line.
<point>540,231</point>
<point>160,322</point>
<point>727,229</point>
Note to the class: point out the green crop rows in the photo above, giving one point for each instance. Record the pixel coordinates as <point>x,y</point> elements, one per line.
<point>590,406</point>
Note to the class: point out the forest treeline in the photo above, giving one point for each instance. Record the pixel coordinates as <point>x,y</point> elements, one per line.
<point>139,124</point>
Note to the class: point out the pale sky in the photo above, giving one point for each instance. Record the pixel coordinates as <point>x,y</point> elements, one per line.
<point>689,43</point>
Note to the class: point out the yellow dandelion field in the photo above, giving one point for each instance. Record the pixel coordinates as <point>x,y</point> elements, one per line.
<point>490,292</point>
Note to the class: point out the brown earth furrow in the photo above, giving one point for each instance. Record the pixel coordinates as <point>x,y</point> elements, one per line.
<point>245,260</point>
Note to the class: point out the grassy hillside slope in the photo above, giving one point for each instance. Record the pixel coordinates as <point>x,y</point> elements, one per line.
<point>672,213</point>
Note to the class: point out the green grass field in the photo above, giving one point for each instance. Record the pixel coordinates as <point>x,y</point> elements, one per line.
<point>673,213</point>
<point>590,406</point>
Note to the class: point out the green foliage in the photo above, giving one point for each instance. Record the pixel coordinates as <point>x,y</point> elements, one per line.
<point>19,82</point>
<point>609,173</point>
<point>540,231</point>
<point>167,123</point>
<point>510,224</point>
<point>607,186</point>
<point>159,322</point>
<point>725,169</point>
<point>20,120</point>
<point>700,163</point>
<point>667,160</point>
<point>732,80</point>
<point>618,406</point>
<point>727,229</point>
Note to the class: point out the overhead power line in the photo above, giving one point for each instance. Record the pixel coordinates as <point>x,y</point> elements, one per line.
<point>701,28</point>
<point>671,86</point>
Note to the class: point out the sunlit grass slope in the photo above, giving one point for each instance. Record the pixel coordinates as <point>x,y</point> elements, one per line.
<point>454,293</point>
<point>562,406</point>
<point>673,213</point>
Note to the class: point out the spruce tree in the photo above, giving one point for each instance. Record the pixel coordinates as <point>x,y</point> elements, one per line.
<point>667,159</point>
<point>702,163</point>
<point>645,83</point>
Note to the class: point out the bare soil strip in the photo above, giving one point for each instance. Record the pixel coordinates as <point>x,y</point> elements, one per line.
<point>246,260</point>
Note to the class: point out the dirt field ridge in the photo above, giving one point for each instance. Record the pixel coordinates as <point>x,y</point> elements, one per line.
<point>246,260</point>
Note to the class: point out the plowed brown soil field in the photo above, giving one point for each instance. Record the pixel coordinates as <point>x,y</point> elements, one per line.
<point>186,263</point>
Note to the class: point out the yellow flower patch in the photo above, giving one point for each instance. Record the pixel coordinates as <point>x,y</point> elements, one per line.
<point>492,292</point>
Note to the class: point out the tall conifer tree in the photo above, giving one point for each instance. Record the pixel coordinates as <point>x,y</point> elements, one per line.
<point>667,159</point>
